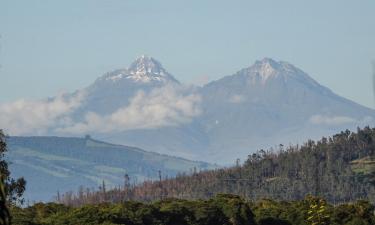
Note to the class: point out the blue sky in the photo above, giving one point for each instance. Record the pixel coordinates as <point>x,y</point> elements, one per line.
<point>49,47</point>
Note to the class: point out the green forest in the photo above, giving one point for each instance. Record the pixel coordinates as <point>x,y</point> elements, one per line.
<point>223,209</point>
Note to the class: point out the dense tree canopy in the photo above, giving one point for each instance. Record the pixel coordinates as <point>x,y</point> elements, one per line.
<point>223,209</point>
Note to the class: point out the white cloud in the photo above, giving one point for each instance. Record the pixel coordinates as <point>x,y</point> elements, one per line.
<point>35,117</point>
<point>167,106</point>
<point>237,99</point>
<point>331,120</point>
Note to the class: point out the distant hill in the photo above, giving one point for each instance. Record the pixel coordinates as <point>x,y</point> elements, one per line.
<point>51,164</point>
<point>340,169</point>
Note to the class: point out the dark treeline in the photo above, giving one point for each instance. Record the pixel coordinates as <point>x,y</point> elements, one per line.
<point>339,169</point>
<point>223,209</point>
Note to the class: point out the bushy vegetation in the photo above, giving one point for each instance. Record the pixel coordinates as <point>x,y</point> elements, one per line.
<point>223,209</point>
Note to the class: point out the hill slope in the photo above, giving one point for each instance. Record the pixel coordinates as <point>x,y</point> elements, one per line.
<point>339,169</point>
<point>51,164</point>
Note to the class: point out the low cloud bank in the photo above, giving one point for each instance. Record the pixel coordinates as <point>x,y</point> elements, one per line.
<point>167,106</point>
<point>36,117</point>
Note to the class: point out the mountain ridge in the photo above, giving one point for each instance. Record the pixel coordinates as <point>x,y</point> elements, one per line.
<point>257,106</point>
<point>236,110</point>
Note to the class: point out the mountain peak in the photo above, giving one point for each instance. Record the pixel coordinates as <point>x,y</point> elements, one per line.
<point>146,65</point>
<point>144,69</point>
<point>266,68</point>
<point>268,61</point>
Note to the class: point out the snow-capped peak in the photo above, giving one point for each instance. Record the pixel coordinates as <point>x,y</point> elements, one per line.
<point>144,69</point>
<point>266,68</point>
<point>146,65</point>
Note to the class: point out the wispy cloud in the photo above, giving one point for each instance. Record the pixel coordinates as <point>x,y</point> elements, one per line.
<point>35,117</point>
<point>167,106</point>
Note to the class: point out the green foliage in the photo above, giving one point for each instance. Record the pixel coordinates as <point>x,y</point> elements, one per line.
<point>234,208</point>
<point>270,211</point>
<point>318,211</point>
<point>357,213</point>
<point>273,221</point>
<point>223,209</point>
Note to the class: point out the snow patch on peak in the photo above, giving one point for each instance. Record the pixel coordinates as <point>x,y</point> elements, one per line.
<point>266,68</point>
<point>146,65</point>
<point>115,77</point>
<point>146,69</point>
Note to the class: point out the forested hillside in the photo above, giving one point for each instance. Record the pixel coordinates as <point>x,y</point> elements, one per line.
<point>340,169</point>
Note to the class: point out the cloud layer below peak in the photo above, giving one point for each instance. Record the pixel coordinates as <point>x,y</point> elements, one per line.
<point>36,117</point>
<point>166,106</point>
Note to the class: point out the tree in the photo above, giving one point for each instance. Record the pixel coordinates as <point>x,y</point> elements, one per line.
<point>4,211</point>
<point>318,213</point>
<point>13,189</point>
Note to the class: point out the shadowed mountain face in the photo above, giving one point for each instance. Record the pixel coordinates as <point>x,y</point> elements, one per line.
<point>264,105</point>
<point>52,164</point>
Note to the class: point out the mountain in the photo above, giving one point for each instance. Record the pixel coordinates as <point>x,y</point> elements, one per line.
<point>257,107</point>
<point>271,102</point>
<point>266,104</point>
<point>114,89</point>
<point>51,164</point>
<point>146,94</point>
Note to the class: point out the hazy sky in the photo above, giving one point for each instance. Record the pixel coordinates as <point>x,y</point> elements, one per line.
<point>49,47</point>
